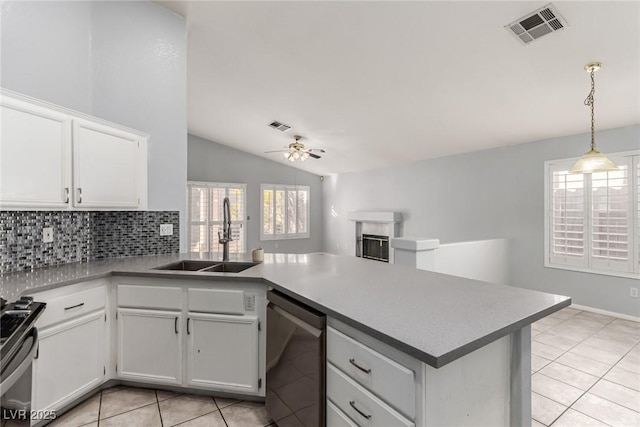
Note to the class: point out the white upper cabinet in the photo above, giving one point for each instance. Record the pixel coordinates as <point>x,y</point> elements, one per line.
<point>55,158</point>
<point>35,161</point>
<point>105,166</point>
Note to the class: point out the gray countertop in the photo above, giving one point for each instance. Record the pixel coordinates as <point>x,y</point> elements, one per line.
<point>433,317</point>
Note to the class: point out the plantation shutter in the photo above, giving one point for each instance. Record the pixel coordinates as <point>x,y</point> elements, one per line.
<point>611,218</point>
<point>567,217</point>
<point>206,216</point>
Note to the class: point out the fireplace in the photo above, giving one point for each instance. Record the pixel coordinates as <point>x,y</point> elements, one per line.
<point>375,247</point>
<point>372,231</point>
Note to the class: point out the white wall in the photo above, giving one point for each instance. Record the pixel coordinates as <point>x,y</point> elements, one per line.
<point>212,162</point>
<point>486,260</point>
<point>121,61</point>
<point>489,194</point>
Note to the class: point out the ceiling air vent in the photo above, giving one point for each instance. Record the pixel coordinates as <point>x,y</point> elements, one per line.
<point>537,24</point>
<point>279,126</point>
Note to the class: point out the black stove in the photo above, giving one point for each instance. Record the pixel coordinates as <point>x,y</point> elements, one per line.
<point>18,318</point>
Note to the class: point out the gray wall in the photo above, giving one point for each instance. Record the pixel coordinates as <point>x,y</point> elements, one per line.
<point>120,61</point>
<point>212,162</point>
<point>482,195</point>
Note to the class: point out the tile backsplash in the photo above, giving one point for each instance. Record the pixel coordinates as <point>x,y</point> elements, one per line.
<point>82,236</point>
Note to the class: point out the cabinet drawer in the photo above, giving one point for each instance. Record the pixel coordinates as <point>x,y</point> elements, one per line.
<point>337,418</point>
<point>384,377</point>
<point>358,403</point>
<point>158,297</point>
<point>70,306</point>
<point>225,301</point>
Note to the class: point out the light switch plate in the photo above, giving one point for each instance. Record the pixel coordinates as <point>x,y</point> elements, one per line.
<point>166,229</point>
<point>47,235</point>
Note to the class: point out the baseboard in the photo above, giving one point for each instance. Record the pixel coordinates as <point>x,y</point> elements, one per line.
<point>605,312</point>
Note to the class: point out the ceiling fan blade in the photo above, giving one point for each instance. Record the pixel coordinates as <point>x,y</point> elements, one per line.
<point>315,156</point>
<point>316,149</point>
<point>277,151</point>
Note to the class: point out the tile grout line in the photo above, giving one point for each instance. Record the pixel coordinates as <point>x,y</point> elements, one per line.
<point>155,392</point>
<point>220,410</point>
<point>100,407</point>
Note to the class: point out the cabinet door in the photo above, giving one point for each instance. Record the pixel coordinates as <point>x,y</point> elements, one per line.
<point>222,352</point>
<point>35,144</point>
<point>106,164</point>
<point>70,361</point>
<point>149,346</point>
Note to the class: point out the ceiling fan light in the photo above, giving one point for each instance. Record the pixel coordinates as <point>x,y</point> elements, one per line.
<point>286,155</point>
<point>593,161</point>
<point>304,156</point>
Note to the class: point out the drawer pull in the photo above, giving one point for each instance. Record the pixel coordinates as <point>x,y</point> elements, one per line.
<point>66,194</point>
<point>353,405</point>
<point>188,331</point>
<point>175,325</point>
<point>74,306</point>
<point>353,362</point>
<point>79,192</point>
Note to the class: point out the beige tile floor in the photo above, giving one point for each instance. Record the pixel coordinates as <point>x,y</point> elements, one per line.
<point>585,370</point>
<point>137,407</point>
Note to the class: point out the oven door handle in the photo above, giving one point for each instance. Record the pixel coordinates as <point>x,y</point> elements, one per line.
<point>23,365</point>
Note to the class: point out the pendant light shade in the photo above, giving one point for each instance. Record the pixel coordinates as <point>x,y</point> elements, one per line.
<point>593,160</point>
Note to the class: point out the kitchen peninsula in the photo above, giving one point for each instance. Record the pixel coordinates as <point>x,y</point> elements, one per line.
<point>467,342</point>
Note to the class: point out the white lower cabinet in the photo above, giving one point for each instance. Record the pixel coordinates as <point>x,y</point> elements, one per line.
<point>200,336</point>
<point>70,361</point>
<point>149,346</point>
<point>222,352</point>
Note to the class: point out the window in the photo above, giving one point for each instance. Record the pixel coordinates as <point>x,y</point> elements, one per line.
<point>205,215</point>
<point>593,220</point>
<point>284,212</point>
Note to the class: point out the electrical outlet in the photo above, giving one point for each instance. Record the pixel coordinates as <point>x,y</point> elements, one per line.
<point>166,229</point>
<point>633,292</point>
<point>249,302</point>
<point>47,234</point>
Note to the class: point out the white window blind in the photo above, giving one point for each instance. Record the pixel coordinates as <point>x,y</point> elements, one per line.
<point>592,220</point>
<point>284,212</point>
<point>205,216</point>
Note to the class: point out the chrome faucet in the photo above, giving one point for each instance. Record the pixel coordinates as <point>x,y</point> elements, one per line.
<point>225,237</point>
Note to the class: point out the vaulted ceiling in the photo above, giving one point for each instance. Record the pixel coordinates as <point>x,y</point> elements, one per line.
<point>383,83</point>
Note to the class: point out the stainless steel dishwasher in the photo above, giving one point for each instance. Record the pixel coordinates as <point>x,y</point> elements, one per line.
<point>295,362</point>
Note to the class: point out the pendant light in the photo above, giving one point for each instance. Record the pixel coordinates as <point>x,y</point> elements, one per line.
<point>593,160</point>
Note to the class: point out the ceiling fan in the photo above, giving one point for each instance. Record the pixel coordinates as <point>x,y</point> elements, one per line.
<point>297,152</point>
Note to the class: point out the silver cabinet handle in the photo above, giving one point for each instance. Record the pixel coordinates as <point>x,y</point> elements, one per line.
<point>353,405</point>
<point>74,306</point>
<point>175,325</point>
<point>188,331</point>
<point>365,370</point>
<point>79,195</point>
<point>66,194</point>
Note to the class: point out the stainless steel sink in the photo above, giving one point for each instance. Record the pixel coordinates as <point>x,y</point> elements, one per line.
<point>229,267</point>
<point>187,265</point>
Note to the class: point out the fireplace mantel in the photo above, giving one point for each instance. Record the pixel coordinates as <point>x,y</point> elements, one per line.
<point>374,216</point>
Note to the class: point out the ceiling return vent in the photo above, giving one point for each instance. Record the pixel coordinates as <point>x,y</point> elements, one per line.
<point>279,126</point>
<point>543,21</point>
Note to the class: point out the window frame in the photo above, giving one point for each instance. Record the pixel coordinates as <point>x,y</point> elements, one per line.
<point>207,223</point>
<point>285,188</point>
<point>588,264</point>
